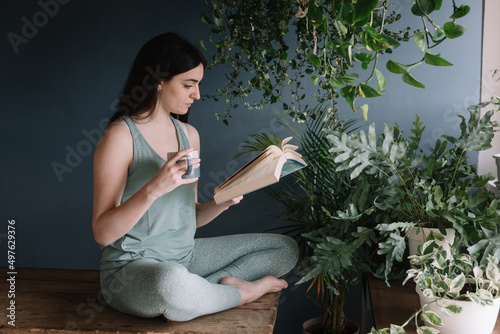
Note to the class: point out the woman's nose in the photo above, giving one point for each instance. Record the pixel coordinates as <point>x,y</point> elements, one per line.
<point>196,94</point>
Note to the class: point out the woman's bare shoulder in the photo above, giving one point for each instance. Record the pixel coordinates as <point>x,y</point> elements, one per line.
<point>191,130</point>
<point>116,140</point>
<point>194,136</point>
<point>117,130</point>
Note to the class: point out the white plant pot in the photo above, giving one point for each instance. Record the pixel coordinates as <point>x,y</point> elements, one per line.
<point>474,318</point>
<point>417,237</point>
<point>497,159</point>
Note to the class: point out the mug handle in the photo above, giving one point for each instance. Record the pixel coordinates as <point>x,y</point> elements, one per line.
<point>187,175</point>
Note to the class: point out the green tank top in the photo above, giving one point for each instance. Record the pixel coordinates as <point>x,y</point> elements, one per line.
<point>166,231</point>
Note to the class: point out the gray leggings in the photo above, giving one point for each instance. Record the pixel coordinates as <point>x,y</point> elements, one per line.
<point>181,292</point>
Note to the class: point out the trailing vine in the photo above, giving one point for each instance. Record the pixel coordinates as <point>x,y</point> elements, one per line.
<point>277,47</point>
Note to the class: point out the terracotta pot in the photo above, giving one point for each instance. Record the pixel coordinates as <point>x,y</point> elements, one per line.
<point>313,326</point>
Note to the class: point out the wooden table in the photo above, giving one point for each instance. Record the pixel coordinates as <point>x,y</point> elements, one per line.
<point>69,301</point>
<point>395,304</point>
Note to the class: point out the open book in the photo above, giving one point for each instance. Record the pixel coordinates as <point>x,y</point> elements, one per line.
<point>266,168</point>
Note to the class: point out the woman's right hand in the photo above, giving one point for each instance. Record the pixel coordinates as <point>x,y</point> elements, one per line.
<point>169,176</point>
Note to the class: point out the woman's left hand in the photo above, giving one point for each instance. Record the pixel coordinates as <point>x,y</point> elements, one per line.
<point>232,202</point>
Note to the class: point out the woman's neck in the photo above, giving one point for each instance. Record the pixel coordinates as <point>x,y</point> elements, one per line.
<point>156,116</point>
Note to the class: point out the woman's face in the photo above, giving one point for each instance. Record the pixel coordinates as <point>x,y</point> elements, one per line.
<point>178,93</point>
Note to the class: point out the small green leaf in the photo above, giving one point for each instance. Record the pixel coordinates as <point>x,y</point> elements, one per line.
<point>362,10</point>
<point>341,81</point>
<point>315,14</point>
<point>375,41</point>
<point>364,108</point>
<point>457,283</point>
<point>395,329</point>
<point>395,67</point>
<point>349,93</point>
<point>202,44</point>
<point>340,27</point>
<point>460,12</point>
<point>380,80</point>
<point>449,308</point>
<point>419,39</point>
<point>206,19</point>
<point>314,59</point>
<point>453,30</point>
<point>431,317</point>
<point>437,191</point>
<point>427,330</point>
<point>315,79</point>
<point>436,60</point>
<point>218,15</point>
<point>423,7</point>
<point>438,32</point>
<point>366,91</point>
<point>410,80</point>
<point>364,58</point>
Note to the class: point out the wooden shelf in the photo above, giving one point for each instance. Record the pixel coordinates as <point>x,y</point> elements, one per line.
<point>69,301</point>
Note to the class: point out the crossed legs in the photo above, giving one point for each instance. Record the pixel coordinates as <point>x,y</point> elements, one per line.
<point>252,263</point>
<point>225,272</point>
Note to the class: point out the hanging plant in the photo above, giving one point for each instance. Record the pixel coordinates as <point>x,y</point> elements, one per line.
<point>278,47</point>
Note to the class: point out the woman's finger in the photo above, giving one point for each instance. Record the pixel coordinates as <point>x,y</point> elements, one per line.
<point>179,155</point>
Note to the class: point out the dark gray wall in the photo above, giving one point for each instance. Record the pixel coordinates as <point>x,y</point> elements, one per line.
<point>61,71</point>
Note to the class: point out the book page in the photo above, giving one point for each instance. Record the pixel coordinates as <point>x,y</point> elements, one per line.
<point>261,171</point>
<point>282,145</point>
<point>265,169</point>
<point>264,173</point>
<point>261,156</point>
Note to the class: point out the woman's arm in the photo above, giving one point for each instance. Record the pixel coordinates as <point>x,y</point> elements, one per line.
<point>206,212</point>
<point>112,158</point>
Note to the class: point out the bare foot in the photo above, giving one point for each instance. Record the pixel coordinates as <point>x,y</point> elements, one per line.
<point>251,291</point>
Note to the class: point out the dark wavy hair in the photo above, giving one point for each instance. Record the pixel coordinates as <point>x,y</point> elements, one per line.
<point>161,58</point>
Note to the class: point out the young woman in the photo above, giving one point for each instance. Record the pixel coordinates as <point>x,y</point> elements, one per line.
<point>145,214</point>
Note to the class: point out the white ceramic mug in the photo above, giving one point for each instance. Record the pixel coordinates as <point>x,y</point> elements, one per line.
<point>191,172</point>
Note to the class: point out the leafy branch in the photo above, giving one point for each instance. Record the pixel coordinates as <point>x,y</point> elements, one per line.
<point>403,186</point>
<point>255,41</point>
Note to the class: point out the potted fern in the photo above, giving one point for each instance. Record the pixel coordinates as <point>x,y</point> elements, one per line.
<point>306,199</point>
